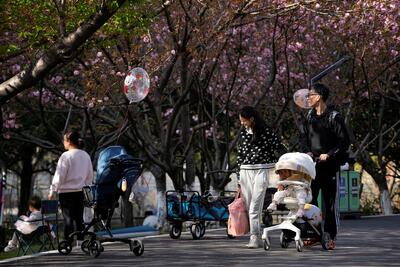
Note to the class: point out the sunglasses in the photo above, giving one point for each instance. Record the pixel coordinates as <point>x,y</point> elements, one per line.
<point>311,94</point>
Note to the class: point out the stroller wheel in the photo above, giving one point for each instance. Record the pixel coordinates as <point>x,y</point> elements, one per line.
<point>95,248</point>
<point>196,231</point>
<point>299,245</point>
<point>175,231</point>
<point>283,240</point>
<point>325,240</point>
<point>267,244</point>
<point>85,246</point>
<point>137,247</point>
<point>64,247</point>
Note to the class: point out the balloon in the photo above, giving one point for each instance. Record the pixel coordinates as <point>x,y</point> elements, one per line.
<point>313,214</point>
<point>300,98</point>
<point>136,85</point>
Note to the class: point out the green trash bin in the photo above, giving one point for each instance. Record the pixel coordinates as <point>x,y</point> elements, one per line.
<point>349,191</point>
<point>349,194</point>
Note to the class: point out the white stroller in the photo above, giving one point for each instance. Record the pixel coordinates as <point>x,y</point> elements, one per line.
<point>294,228</point>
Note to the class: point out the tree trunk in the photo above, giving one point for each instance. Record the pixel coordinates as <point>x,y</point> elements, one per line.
<point>161,185</point>
<point>26,180</point>
<point>190,167</point>
<point>386,202</point>
<point>190,171</point>
<point>379,176</point>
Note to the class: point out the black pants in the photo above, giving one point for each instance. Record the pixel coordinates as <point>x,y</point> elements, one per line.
<point>326,181</point>
<point>72,210</point>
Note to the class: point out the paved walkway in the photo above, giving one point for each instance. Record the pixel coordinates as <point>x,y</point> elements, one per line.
<point>369,241</point>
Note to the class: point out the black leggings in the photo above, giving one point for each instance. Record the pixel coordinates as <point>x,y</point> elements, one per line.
<point>326,181</point>
<point>72,210</point>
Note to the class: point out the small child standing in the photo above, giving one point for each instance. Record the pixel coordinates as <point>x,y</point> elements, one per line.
<point>297,167</point>
<point>25,224</point>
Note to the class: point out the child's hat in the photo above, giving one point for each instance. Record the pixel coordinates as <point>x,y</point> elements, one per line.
<point>296,161</point>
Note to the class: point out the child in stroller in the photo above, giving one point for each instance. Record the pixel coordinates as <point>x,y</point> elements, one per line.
<point>116,173</point>
<point>296,170</point>
<point>290,167</point>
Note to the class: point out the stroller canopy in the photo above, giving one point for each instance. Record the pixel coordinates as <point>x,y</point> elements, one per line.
<point>296,161</point>
<point>105,156</point>
<point>114,164</point>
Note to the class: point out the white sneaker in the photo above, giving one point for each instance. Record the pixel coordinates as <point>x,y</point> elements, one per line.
<point>272,207</point>
<point>254,242</point>
<point>10,247</point>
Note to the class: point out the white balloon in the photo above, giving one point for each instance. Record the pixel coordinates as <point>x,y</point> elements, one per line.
<point>300,98</point>
<point>136,85</point>
<point>313,214</point>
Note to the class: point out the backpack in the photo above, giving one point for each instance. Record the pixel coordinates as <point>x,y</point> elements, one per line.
<point>343,157</point>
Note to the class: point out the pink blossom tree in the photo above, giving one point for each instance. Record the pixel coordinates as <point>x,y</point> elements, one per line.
<point>206,59</point>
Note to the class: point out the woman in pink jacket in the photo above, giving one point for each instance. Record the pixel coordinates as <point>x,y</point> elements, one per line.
<point>74,171</point>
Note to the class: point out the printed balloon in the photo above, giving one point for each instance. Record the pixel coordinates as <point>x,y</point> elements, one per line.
<point>136,85</point>
<point>300,98</point>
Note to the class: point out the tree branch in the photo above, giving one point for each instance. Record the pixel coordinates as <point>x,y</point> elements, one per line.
<point>59,53</point>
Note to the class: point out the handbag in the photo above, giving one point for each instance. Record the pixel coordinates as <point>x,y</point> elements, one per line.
<point>238,221</point>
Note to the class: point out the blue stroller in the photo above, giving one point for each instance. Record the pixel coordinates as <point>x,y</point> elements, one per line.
<point>116,173</point>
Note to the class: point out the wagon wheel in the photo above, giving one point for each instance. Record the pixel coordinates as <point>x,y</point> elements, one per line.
<point>195,229</point>
<point>202,229</point>
<point>175,231</point>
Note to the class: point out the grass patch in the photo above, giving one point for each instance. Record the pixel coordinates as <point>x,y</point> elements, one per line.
<point>14,253</point>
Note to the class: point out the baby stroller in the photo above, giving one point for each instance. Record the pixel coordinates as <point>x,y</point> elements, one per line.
<point>302,230</point>
<point>116,173</point>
